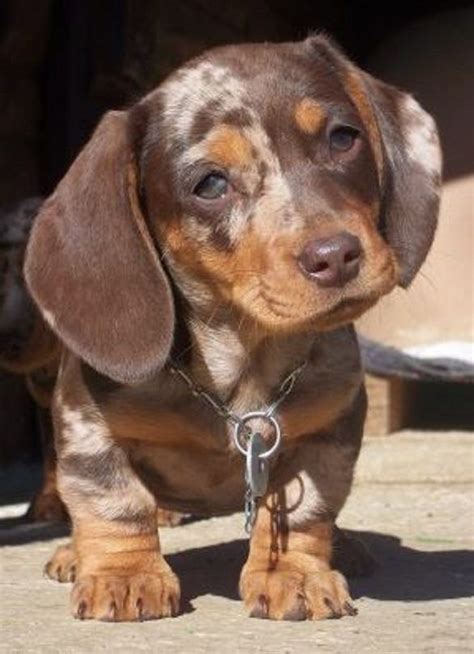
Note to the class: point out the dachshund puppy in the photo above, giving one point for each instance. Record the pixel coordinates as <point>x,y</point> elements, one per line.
<point>225,230</point>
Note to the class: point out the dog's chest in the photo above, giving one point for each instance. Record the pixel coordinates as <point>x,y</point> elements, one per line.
<point>186,455</point>
<point>199,482</point>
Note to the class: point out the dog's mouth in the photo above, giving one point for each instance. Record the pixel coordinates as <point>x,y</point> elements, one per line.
<point>351,304</point>
<point>328,312</point>
<point>351,301</point>
<point>291,319</point>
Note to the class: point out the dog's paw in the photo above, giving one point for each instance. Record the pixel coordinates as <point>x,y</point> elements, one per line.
<point>116,598</point>
<point>62,565</point>
<point>286,594</point>
<point>47,507</point>
<point>350,556</point>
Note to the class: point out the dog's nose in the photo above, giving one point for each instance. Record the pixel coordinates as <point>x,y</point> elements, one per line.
<point>332,261</point>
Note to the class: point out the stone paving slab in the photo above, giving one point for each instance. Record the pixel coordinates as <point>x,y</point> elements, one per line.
<point>413,506</point>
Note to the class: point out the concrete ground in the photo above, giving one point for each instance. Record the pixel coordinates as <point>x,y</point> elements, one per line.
<point>413,506</point>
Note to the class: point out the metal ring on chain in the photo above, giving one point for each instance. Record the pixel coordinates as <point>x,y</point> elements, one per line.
<point>253,415</point>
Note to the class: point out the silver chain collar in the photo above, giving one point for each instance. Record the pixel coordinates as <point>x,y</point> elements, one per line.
<point>250,443</point>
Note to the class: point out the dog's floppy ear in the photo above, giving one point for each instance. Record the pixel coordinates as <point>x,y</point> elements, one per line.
<point>412,176</point>
<point>91,266</point>
<point>410,158</point>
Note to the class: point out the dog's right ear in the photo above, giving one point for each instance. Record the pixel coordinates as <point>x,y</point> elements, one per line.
<point>91,265</point>
<point>410,159</point>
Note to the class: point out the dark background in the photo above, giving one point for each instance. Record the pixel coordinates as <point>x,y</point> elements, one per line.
<point>64,62</point>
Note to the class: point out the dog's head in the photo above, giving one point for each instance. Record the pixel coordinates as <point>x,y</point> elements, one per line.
<point>279,181</point>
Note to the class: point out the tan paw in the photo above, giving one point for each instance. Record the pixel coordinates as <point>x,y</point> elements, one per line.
<point>287,594</point>
<point>62,565</point>
<point>115,598</point>
<point>47,507</point>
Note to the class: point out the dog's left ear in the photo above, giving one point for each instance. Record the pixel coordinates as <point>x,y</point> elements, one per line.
<point>92,267</point>
<point>410,153</point>
<point>412,180</point>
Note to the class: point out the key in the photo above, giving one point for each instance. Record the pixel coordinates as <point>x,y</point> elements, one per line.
<point>257,467</point>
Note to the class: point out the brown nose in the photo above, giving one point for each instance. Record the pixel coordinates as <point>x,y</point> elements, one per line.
<point>332,261</point>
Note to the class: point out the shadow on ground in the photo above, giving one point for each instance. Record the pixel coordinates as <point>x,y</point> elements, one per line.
<point>402,573</point>
<point>21,531</point>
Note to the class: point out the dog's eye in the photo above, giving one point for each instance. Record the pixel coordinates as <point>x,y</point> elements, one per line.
<point>212,187</point>
<point>342,139</point>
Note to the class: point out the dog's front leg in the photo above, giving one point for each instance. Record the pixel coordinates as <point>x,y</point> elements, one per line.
<point>288,576</point>
<point>120,573</point>
<point>288,573</point>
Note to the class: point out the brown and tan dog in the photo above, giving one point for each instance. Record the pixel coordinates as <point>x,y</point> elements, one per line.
<point>238,219</point>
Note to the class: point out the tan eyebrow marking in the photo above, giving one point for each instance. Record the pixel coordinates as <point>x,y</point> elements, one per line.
<point>309,115</point>
<point>354,87</point>
<point>226,145</point>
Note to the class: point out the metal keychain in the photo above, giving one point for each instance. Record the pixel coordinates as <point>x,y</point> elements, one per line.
<point>257,454</point>
<point>256,477</point>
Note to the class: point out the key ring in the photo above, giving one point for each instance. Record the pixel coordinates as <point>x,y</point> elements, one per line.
<point>253,415</point>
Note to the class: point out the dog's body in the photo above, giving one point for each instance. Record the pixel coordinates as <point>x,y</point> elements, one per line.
<point>167,430</point>
<point>285,191</point>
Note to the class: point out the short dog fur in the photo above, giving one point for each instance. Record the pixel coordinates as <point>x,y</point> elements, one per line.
<point>198,224</point>
<point>30,349</point>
